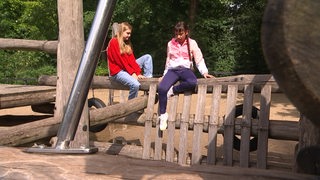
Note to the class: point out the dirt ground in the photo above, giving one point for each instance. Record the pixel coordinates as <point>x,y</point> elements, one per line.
<point>280,153</point>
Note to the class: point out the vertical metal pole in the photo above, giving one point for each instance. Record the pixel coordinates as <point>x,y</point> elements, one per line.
<point>85,73</point>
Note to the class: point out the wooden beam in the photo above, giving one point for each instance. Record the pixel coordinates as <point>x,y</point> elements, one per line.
<point>29,45</point>
<point>104,82</point>
<point>23,95</point>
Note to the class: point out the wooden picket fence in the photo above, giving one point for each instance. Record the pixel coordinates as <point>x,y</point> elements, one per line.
<point>191,113</point>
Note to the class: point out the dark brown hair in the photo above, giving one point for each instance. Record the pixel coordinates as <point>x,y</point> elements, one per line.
<point>181,26</point>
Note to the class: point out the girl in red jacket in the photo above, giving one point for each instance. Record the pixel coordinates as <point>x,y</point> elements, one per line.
<point>123,66</point>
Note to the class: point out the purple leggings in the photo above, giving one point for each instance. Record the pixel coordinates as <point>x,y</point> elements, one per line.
<point>185,76</point>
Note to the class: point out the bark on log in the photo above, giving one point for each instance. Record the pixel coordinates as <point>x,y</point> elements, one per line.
<point>29,45</point>
<point>33,131</point>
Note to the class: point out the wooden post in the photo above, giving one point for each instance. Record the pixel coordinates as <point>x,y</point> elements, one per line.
<point>70,48</point>
<point>307,151</point>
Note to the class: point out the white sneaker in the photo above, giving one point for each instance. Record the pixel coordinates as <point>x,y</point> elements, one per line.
<point>170,92</point>
<point>163,121</point>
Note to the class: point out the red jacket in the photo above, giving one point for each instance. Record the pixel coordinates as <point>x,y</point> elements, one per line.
<point>118,62</point>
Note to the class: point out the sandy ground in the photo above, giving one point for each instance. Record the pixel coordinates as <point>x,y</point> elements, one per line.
<point>280,153</point>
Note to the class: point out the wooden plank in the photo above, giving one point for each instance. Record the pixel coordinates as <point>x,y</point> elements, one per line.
<point>246,126</point>
<point>198,124</point>
<point>214,124</point>
<point>229,125</point>
<point>171,128</point>
<point>183,142</point>
<point>263,127</point>
<point>24,95</point>
<point>148,123</point>
<point>16,164</point>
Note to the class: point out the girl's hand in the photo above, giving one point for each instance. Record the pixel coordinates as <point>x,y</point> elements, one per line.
<point>160,79</point>
<point>141,76</point>
<point>134,75</point>
<point>206,75</point>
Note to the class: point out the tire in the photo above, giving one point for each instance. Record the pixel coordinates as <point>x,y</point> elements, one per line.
<point>254,140</point>
<point>96,103</point>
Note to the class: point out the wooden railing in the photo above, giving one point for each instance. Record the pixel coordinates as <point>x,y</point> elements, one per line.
<point>198,113</point>
<point>213,122</point>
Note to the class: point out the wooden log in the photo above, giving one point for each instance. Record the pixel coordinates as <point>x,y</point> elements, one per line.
<point>29,45</point>
<point>33,131</point>
<point>23,95</point>
<point>104,82</point>
<point>290,40</point>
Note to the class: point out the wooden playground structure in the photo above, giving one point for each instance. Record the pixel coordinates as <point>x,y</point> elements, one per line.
<point>188,113</point>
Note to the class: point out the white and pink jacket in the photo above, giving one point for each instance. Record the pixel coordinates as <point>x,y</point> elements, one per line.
<point>177,56</point>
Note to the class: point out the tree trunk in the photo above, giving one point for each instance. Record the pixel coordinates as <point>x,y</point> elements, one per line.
<point>193,12</point>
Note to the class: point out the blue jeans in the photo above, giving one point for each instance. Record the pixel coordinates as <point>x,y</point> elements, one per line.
<point>145,63</point>
<point>187,79</point>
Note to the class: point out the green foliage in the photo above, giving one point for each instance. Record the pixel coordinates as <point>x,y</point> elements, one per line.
<point>23,19</point>
<point>227,31</point>
<point>24,65</point>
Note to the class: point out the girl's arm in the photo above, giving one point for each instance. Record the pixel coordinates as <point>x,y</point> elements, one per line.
<point>198,58</point>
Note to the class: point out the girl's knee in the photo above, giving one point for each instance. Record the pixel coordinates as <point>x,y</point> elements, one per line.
<point>161,90</point>
<point>148,57</point>
<point>193,83</point>
<point>135,85</point>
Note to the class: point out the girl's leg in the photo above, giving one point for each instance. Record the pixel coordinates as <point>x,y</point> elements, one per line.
<point>188,81</point>
<point>145,63</point>
<point>126,79</point>
<point>167,81</point>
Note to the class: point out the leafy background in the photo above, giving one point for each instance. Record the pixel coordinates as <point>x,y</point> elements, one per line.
<point>227,31</point>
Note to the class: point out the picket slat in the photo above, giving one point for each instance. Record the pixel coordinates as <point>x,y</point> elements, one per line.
<point>198,124</point>
<point>184,123</point>
<point>229,125</point>
<point>263,126</point>
<point>246,126</point>
<point>171,128</point>
<point>213,124</point>
<point>148,123</point>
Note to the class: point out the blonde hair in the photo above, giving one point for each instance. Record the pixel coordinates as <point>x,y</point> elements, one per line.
<point>125,47</point>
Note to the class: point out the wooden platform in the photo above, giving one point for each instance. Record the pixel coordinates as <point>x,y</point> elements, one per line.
<point>16,164</point>
<point>23,95</point>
